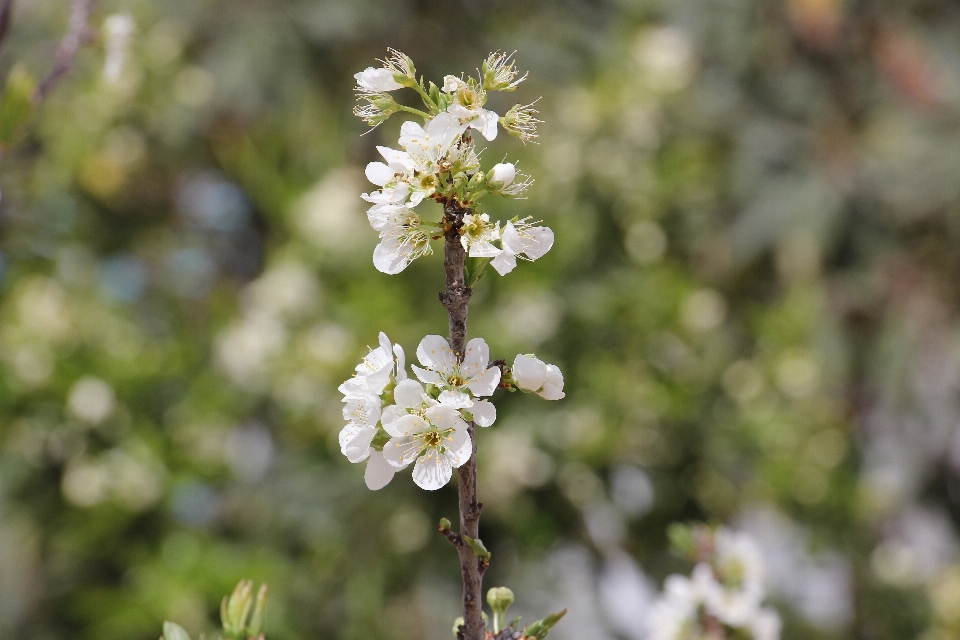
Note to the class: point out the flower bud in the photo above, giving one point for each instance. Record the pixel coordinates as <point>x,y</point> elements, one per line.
<point>500,599</point>
<point>373,80</point>
<point>532,374</point>
<point>476,180</point>
<point>502,175</point>
<point>529,372</point>
<point>459,182</point>
<point>173,631</point>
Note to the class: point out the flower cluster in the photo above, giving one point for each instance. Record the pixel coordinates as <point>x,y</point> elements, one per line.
<point>722,597</point>
<point>394,421</point>
<point>439,160</point>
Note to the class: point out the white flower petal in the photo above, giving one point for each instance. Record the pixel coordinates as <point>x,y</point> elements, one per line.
<point>426,376</point>
<point>409,425</point>
<point>539,243</point>
<point>379,472</point>
<point>379,173</point>
<point>485,384</point>
<point>484,413</point>
<point>551,392</point>
<point>400,452</point>
<point>432,471</point>
<point>408,394</point>
<point>487,124</point>
<point>459,447</point>
<point>434,353</point>
<point>445,417</point>
<point>504,263</point>
<point>484,249</point>
<point>390,415</point>
<point>529,372</point>
<point>511,240</point>
<point>456,399</point>
<point>401,363</point>
<point>476,358</point>
<point>387,259</point>
<point>358,447</point>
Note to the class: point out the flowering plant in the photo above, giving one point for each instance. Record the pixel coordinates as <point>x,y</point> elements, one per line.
<point>722,597</point>
<point>395,421</point>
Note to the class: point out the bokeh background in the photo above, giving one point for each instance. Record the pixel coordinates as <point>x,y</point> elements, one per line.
<point>753,296</point>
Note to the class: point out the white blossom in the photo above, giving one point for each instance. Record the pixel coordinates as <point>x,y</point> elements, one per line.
<point>372,80</point>
<point>736,597</point>
<point>431,433</point>
<point>478,235</point>
<point>402,240</point>
<point>459,381</point>
<point>533,374</point>
<point>724,592</point>
<point>362,398</point>
<point>524,240</point>
<point>428,145</point>
<point>467,106</point>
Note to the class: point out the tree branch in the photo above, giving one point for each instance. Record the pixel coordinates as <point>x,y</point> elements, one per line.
<point>455,299</point>
<point>6,11</point>
<point>78,32</point>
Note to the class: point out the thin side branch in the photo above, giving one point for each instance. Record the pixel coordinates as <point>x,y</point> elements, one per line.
<point>78,32</point>
<point>6,11</point>
<point>452,537</point>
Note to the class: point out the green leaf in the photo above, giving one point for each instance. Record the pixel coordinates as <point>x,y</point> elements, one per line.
<point>541,628</point>
<point>477,547</point>
<point>474,269</point>
<point>173,631</point>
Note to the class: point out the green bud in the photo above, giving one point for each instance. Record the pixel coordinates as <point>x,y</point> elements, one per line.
<point>235,609</point>
<point>173,631</point>
<point>477,180</point>
<point>259,612</point>
<point>500,599</point>
<point>444,524</point>
<point>460,182</point>
<point>456,626</point>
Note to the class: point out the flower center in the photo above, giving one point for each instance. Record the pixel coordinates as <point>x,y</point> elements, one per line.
<point>468,98</point>
<point>432,438</point>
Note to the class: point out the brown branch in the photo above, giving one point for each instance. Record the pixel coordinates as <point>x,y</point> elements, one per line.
<point>6,11</point>
<point>455,298</point>
<point>78,32</point>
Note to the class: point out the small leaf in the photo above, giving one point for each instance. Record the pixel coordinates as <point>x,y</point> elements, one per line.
<point>477,547</point>
<point>173,631</point>
<point>541,628</point>
<point>474,269</point>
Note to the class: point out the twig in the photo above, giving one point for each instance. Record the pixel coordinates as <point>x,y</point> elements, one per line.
<point>452,537</point>
<point>455,298</point>
<point>78,31</point>
<point>6,10</point>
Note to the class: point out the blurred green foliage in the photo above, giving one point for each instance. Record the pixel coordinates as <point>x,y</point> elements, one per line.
<point>752,296</point>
